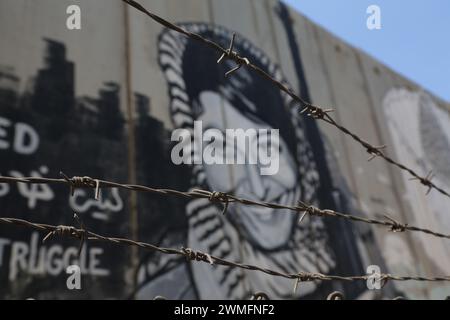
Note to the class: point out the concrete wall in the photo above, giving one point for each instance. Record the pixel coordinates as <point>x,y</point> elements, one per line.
<point>103,101</point>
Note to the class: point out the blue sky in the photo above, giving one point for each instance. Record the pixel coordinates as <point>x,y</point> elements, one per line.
<point>414,39</point>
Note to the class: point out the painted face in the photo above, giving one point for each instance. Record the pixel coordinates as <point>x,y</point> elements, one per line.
<point>198,92</point>
<point>421,135</point>
<point>263,226</point>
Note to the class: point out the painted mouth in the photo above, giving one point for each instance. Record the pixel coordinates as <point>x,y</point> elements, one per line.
<point>266,227</point>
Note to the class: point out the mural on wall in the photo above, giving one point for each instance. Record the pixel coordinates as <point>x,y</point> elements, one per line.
<point>47,125</point>
<point>420,131</point>
<point>265,237</point>
<point>42,131</point>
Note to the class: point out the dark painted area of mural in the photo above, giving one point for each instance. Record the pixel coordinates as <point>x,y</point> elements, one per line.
<point>341,232</point>
<point>162,220</point>
<point>61,128</point>
<point>47,129</point>
<point>334,191</point>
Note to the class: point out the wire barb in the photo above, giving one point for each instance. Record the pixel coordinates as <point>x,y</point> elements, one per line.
<point>69,231</point>
<point>305,277</point>
<point>316,112</point>
<point>60,231</point>
<point>82,182</point>
<point>426,181</point>
<point>233,55</point>
<point>214,197</point>
<point>395,225</point>
<point>375,151</point>
<point>197,256</point>
<point>309,210</point>
<point>220,197</point>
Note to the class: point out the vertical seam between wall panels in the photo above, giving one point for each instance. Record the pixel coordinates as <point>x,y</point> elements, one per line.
<point>272,33</point>
<point>297,79</point>
<point>133,218</point>
<point>347,159</point>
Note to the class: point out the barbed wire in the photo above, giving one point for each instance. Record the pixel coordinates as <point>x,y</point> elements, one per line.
<point>310,109</point>
<point>337,295</point>
<point>192,255</point>
<point>221,198</point>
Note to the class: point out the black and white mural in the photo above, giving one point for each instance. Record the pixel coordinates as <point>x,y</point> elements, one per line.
<point>55,118</point>
<point>199,91</point>
<point>44,126</point>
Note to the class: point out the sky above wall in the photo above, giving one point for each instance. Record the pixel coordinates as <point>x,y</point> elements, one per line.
<point>414,39</point>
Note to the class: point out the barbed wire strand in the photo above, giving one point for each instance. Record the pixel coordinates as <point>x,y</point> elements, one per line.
<point>311,110</point>
<point>336,295</point>
<point>222,198</point>
<point>192,255</point>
